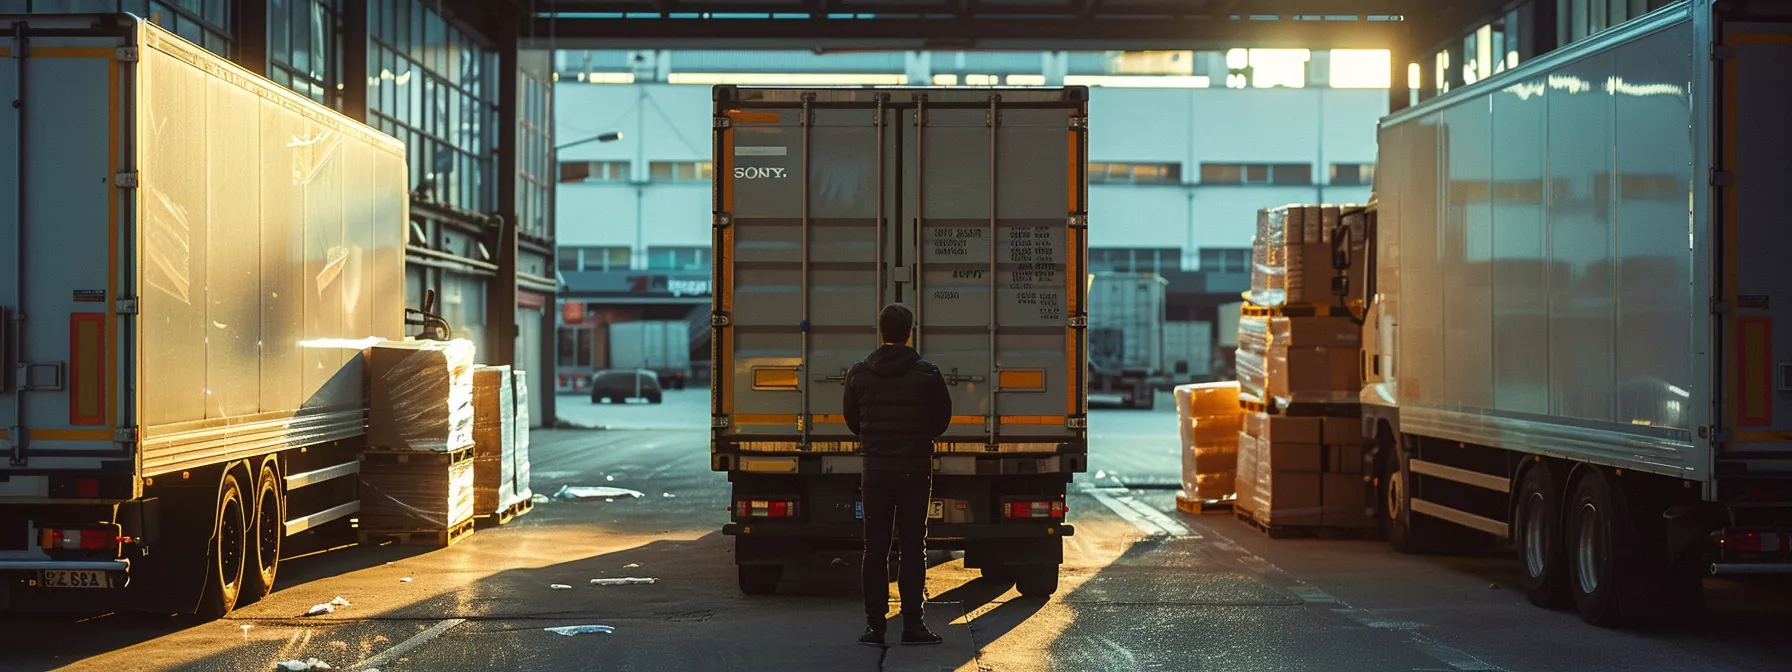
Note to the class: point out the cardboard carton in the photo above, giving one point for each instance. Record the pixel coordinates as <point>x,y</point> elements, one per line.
<point>1288,498</point>
<point>1346,498</point>
<point>420,395</point>
<point>1330,332</point>
<point>1343,432</point>
<point>494,440</point>
<point>1314,375</point>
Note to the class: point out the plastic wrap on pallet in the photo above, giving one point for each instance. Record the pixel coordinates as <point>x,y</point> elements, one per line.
<point>1268,267</point>
<point>415,491</point>
<point>1313,375</point>
<point>521,398</point>
<point>1210,420</point>
<point>1246,483</point>
<point>494,440</point>
<point>420,395</point>
<point>1251,364</point>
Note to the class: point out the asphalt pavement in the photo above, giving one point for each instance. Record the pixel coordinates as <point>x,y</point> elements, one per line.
<point>1144,587</point>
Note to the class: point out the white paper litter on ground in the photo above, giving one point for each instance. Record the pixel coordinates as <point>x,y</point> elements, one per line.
<point>609,479</point>
<point>540,498</point>
<point>560,586</point>
<point>631,565</point>
<point>568,492</point>
<point>625,581</point>
<point>320,609</point>
<point>571,630</point>
<point>302,665</point>
<point>667,495</point>
<point>340,601</point>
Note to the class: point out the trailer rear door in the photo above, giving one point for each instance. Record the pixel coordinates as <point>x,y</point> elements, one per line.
<point>62,215</point>
<point>966,205</point>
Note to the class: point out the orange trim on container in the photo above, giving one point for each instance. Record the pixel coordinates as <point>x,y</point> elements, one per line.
<point>724,260</point>
<point>775,378</point>
<point>1754,375</point>
<point>1054,420</point>
<point>87,369</point>
<point>1074,198</point>
<point>113,145</point>
<point>967,419</point>
<point>1021,379</point>
<point>828,419</point>
<point>764,419</point>
<point>745,117</point>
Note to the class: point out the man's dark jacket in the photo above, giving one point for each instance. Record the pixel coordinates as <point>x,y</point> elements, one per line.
<point>897,403</point>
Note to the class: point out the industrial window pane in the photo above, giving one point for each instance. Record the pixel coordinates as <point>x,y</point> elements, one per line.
<point>217,12</point>
<point>659,170</point>
<point>301,35</point>
<point>1293,173</point>
<point>1256,173</point>
<point>1221,173</point>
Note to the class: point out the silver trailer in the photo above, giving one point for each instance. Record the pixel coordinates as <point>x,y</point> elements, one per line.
<point>195,257</point>
<point>1571,339</point>
<point>969,206</point>
<point>663,347</point>
<point>1126,337</point>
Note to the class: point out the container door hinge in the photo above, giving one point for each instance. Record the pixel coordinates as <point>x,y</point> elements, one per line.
<point>722,220</point>
<point>720,319</point>
<point>719,422</point>
<point>125,180</point>
<point>1077,221</point>
<point>1721,178</point>
<point>126,305</point>
<point>1079,123</point>
<point>125,435</point>
<point>724,122</point>
<point>125,54</point>
<point>1079,322</point>
<point>1715,434</point>
<point>1076,422</point>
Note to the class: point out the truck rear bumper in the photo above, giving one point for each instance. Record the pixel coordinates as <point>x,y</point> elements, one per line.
<point>935,532</point>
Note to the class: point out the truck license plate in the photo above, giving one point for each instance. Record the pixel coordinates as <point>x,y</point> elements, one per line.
<point>936,509</point>
<point>57,578</point>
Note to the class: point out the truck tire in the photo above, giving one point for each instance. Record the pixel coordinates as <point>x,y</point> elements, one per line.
<point>227,552</point>
<point>266,534</point>
<point>1036,580</point>
<point>1537,538</point>
<point>1603,551</point>
<point>999,574</point>
<point>760,579</point>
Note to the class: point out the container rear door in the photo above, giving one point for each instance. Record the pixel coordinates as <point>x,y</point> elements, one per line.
<point>997,189</point>
<point>1754,140</point>
<point>60,221</point>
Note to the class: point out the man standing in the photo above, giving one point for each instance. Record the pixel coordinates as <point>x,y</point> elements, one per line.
<point>897,403</point>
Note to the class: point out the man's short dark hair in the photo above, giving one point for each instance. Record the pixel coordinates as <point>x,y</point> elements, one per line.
<point>895,323</point>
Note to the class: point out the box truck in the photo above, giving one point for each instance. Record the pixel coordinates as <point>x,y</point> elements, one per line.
<point>194,259</point>
<point>663,347</point>
<point>1126,337</point>
<point>967,205</point>
<point>1572,340</point>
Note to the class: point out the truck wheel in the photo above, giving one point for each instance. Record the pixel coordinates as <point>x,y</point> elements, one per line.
<point>1602,551</point>
<point>1036,580</point>
<point>760,579</point>
<point>228,552</point>
<point>1537,535</point>
<point>267,533</point>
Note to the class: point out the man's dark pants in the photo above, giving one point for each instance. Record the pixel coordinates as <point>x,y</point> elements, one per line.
<point>896,498</point>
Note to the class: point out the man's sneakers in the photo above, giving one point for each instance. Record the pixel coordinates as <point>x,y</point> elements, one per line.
<point>919,637</point>
<point>874,636</point>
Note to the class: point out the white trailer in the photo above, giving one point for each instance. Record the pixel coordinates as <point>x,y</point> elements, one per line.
<point>1571,342</point>
<point>195,257</point>
<point>663,347</point>
<point>1126,337</point>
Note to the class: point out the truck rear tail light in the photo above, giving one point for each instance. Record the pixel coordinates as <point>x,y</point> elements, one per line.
<point>767,508</point>
<point>1041,509</point>
<point>1735,541</point>
<point>83,539</point>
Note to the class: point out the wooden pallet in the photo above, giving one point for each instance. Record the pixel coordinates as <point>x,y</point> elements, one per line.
<point>1202,506</point>
<point>506,515</point>
<point>1295,310</point>
<point>448,537</point>
<point>1307,531</point>
<point>384,456</point>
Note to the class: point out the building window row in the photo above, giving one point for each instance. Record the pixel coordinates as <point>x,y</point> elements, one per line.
<point>1135,260</point>
<point>679,258</point>
<point>1257,173</point>
<point>680,171</point>
<point>305,48</point>
<point>595,258</point>
<point>572,172</point>
<point>1341,174</point>
<point>1135,173</point>
<point>1225,260</point>
<point>433,87</point>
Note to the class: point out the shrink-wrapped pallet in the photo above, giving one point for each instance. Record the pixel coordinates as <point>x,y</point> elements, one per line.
<point>420,395</point>
<point>1210,421</point>
<point>494,440</point>
<point>415,491</point>
<point>521,466</point>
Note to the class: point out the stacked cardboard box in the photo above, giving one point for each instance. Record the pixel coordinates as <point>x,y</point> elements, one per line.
<point>1291,256</point>
<point>1210,421</point>
<point>420,395</point>
<point>415,491</point>
<point>494,440</point>
<point>1303,471</point>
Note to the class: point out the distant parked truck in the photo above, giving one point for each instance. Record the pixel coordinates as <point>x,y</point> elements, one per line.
<point>1188,351</point>
<point>1126,337</point>
<point>194,258</point>
<point>663,347</point>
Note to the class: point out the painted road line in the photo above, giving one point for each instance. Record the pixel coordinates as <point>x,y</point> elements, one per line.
<point>392,655</point>
<point>1129,513</point>
<point>1168,524</point>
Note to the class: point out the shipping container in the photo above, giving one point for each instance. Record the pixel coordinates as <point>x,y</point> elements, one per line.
<point>663,347</point>
<point>194,259</point>
<point>1126,337</point>
<point>969,206</point>
<point>1188,351</point>
<point>1571,337</point>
